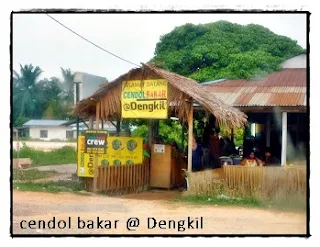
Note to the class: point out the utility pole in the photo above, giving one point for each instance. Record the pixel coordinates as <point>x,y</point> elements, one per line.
<point>76,101</point>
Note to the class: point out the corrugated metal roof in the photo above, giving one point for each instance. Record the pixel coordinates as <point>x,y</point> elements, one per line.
<point>41,122</point>
<point>299,61</point>
<point>211,82</point>
<point>283,88</point>
<point>284,77</point>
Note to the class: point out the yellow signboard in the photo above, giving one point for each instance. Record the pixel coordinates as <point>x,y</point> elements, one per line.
<point>85,160</point>
<point>145,99</point>
<point>120,151</point>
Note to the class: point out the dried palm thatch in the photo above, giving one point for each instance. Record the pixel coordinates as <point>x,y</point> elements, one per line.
<point>182,92</point>
<point>263,182</point>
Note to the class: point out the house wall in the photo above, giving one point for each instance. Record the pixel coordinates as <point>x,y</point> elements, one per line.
<point>53,132</point>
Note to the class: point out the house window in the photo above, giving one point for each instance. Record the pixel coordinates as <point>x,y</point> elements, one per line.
<point>69,134</point>
<point>43,134</point>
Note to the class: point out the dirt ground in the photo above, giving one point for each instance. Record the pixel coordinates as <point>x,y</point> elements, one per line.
<point>145,206</point>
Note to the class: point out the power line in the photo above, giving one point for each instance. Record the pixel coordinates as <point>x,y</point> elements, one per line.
<point>91,41</point>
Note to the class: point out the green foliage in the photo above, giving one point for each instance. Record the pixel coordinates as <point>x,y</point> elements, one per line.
<point>20,121</point>
<point>170,131</point>
<point>53,187</point>
<point>141,131</point>
<point>64,155</point>
<point>238,134</point>
<point>223,50</point>
<point>46,98</point>
<point>31,174</point>
<point>220,201</point>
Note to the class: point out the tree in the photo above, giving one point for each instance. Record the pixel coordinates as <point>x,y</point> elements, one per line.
<point>222,49</point>
<point>68,86</point>
<point>24,91</point>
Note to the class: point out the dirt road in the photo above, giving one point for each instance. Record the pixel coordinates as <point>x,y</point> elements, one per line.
<point>67,207</point>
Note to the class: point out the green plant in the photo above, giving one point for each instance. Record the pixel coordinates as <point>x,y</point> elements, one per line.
<point>31,174</point>
<point>52,186</point>
<point>62,155</point>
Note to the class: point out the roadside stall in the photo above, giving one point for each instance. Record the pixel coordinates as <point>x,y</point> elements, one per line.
<point>149,93</point>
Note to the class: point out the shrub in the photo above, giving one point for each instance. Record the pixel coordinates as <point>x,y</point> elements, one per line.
<point>62,155</point>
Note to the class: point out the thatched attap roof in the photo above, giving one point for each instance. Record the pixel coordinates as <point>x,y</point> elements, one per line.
<point>181,92</point>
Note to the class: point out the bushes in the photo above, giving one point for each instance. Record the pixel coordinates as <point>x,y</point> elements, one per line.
<point>62,155</point>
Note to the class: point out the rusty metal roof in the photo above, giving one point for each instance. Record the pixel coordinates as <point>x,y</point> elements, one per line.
<point>287,87</point>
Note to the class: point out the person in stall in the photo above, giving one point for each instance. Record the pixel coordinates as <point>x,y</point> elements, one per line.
<point>270,160</point>
<point>214,149</point>
<point>251,161</point>
<point>196,155</point>
<point>228,148</point>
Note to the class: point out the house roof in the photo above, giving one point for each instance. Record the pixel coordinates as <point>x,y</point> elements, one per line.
<point>299,61</point>
<point>287,87</point>
<point>42,122</point>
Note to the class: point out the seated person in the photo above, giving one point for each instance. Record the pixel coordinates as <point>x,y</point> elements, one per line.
<point>196,155</point>
<point>251,161</point>
<point>270,160</point>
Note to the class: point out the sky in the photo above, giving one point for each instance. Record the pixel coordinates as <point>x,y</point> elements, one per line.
<point>39,40</point>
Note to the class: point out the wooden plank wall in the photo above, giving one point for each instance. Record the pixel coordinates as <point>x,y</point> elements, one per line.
<point>112,178</point>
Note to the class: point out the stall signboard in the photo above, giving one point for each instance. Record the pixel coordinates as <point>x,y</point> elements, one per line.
<point>145,99</point>
<point>120,151</point>
<point>95,141</point>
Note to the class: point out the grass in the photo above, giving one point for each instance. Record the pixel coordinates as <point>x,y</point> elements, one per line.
<point>64,155</point>
<point>33,174</point>
<point>214,200</point>
<point>292,204</point>
<point>52,186</point>
<point>41,140</point>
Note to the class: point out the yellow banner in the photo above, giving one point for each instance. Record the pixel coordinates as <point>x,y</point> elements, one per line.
<point>145,99</point>
<point>85,161</point>
<point>120,151</point>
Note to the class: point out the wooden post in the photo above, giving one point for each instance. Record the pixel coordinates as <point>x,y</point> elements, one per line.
<point>91,123</point>
<point>232,135</point>
<point>268,130</point>
<point>284,139</point>
<point>96,172</point>
<point>182,136</point>
<point>190,137</point>
<point>298,128</point>
<point>150,133</point>
<point>118,127</point>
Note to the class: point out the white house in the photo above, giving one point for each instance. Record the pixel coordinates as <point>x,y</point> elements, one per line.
<point>48,129</point>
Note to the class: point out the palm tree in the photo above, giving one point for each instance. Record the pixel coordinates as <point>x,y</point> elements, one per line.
<point>24,85</point>
<point>68,84</point>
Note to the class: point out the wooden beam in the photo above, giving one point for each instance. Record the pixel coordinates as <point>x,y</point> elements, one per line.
<point>96,172</point>
<point>268,130</point>
<point>232,135</point>
<point>284,139</point>
<point>190,138</point>
<point>97,115</point>
<point>150,133</point>
<point>91,123</point>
